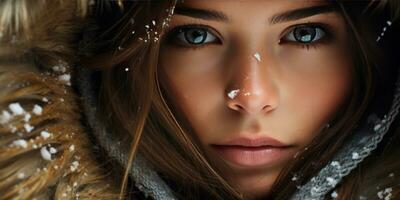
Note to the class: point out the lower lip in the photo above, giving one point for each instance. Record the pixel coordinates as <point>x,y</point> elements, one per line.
<point>252,156</point>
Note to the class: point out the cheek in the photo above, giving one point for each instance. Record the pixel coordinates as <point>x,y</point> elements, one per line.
<point>194,85</point>
<point>314,90</point>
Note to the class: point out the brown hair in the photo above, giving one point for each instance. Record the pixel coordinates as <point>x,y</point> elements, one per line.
<point>132,105</point>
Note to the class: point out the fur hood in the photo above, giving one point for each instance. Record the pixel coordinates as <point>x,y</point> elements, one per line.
<point>48,123</point>
<point>44,150</point>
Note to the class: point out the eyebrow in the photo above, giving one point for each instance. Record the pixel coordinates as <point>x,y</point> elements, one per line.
<point>301,13</point>
<point>202,14</point>
<point>278,18</point>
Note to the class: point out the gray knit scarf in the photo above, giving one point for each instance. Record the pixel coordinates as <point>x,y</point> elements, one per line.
<point>146,179</point>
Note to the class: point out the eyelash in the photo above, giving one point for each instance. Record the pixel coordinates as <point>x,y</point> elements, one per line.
<point>171,36</point>
<point>328,35</point>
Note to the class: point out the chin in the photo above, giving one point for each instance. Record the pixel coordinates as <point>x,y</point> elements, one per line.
<point>255,190</point>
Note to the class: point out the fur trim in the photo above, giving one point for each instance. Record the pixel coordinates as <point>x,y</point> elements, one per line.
<point>44,150</point>
<point>20,16</point>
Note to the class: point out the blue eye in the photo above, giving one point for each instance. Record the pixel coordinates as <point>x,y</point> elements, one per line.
<point>305,34</point>
<point>194,36</point>
<point>190,35</point>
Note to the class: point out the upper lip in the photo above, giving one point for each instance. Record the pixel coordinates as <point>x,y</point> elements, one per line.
<point>256,142</point>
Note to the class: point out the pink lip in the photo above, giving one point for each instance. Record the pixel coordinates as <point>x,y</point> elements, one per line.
<point>253,152</point>
<point>247,142</point>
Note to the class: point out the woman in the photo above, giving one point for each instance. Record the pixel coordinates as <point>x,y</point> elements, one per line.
<point>199,100</point>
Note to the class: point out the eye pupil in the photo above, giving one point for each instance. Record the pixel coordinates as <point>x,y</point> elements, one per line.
<point>195,36</point>
<point>304,34</point>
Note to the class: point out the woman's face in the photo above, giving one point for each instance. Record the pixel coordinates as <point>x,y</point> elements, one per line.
<point>255,80</point>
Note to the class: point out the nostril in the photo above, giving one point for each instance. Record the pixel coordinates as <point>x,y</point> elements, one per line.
<point>236,107</point>
<point>239,107</point>
<point>266,108</point>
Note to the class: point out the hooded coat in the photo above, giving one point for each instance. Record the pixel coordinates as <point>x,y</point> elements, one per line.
<point>51,136</point>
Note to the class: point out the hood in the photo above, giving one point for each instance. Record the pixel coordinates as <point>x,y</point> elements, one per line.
<point>366,138</point>
<point>44,150</point>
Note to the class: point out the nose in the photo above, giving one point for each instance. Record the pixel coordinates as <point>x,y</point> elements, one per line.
<point>251,89</point>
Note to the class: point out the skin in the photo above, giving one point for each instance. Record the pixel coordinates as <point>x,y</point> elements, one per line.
<point>289,95</point>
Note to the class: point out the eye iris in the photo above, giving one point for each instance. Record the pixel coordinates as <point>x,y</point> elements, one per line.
<point>304,34</point>
<point>195,36</point>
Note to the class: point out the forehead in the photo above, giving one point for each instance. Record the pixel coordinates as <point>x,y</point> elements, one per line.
<point>234,8</point>
<point>251,12</point>
<point>254,11</point>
